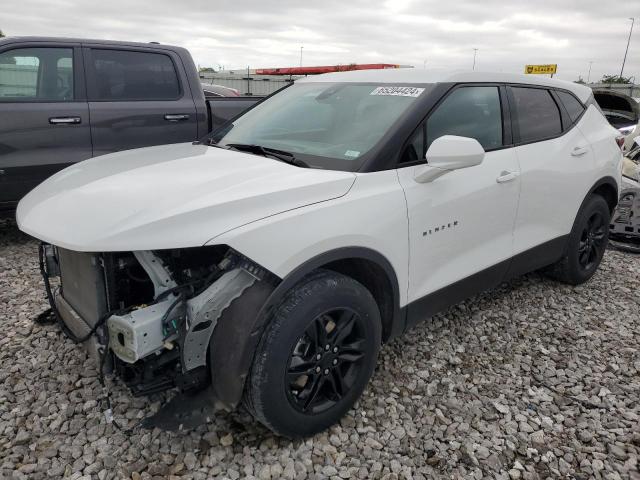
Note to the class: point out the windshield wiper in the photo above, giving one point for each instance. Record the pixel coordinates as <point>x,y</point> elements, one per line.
<point>211,143</point>
<point>280,155</point>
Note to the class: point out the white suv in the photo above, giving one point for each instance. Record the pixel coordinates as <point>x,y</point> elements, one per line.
<point>271,259</point>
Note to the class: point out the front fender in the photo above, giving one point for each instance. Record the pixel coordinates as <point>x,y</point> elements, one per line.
<point>239,330</point>
<point>373,216</point>
<point>368,223</point>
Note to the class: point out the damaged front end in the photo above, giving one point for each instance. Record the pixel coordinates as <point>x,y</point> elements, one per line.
<point>148,316</point>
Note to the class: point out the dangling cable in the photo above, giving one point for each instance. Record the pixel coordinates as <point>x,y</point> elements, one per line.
<point>184,292</point>
<point>103,351</point>
<point>47,286</point>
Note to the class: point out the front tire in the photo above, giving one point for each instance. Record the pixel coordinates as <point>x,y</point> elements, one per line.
<point>315,356</point>
<point>586,245</point>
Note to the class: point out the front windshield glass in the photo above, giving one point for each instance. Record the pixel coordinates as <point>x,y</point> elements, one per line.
<point>326,125</point>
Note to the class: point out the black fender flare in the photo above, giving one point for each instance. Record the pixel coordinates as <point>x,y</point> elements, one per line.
<point>608,180</point>
<point>235,338</point>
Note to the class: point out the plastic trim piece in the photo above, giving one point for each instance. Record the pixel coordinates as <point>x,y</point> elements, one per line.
<point>528,261</point>
<point>204,311</point>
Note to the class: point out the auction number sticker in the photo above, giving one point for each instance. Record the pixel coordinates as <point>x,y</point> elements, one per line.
<point>398,91</point>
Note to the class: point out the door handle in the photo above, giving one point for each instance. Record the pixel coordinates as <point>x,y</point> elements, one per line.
<point>65,120</point>
<point>578,151</point>
<point>176,117</point>
<point>507,176</point>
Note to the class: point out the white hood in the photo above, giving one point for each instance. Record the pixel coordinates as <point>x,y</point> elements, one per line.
<point>171,196</point>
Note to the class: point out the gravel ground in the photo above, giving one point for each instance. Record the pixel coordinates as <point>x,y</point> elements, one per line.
<point>532,380</point>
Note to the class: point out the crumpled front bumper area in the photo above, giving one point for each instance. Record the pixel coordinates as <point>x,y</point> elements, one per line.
<point>150,315</point>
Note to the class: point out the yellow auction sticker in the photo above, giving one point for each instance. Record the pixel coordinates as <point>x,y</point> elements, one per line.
<point>538,69</point>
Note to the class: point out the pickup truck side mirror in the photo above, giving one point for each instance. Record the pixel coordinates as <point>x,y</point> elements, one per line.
<point>449,153</point>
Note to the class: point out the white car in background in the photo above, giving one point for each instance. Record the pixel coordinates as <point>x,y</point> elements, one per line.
<point>272,258</point>
<point>212,90</point>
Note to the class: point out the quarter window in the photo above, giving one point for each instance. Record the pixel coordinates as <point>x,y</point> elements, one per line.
<point>571,104</point>
<point>469,112</point>
<point>415,148</point>
<point>36,74</point>
<point>538,115</point>
<point>128,75</point>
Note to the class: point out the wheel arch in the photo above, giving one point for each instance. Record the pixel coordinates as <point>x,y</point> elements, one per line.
<point>607,188</point>
<point>375,272</point>
<point>364,265</point>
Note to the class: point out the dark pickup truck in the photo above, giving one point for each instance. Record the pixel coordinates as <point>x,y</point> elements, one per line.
<point>64,100</point>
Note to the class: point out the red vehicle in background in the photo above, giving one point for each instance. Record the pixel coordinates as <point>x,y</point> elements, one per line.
<point>324,69</point>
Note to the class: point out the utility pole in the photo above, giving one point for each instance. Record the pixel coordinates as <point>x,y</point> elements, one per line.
<point>301,47</point>
<point>589,74</point>
<point>475,51</point>
<point>628,42</point>
<point>248,81</point>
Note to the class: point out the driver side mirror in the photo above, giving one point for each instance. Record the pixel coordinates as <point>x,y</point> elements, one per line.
<point>449,153</point>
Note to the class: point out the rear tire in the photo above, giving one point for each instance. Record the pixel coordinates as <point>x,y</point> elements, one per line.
<point>316,355</point>
<point>586,244</point>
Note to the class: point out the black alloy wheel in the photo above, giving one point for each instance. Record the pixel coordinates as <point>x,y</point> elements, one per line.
<point>592,241</point>
<point>586,244</point>
<point>315,356</point>
<point>326,361</point>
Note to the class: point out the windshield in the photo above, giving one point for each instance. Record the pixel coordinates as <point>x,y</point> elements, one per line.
<point>325,125</point>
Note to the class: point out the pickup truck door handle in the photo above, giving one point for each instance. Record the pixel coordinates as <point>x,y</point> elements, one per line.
<point>507,176</point>
<point>578,151</point>
<point>65,120</point>
<point>176,117</point>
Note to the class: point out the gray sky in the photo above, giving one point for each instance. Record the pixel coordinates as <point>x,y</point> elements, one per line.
<point>264,33</point>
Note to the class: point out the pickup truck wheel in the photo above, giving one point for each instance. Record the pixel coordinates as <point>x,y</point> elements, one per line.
<point>315,356</point>
<point>586,245</point>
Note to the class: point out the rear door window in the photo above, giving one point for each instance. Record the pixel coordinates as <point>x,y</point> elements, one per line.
<point>125,75</point>
<point>538,116</point>
<point>473,112</point>
<point>571,104</point>
<point>36,75</point>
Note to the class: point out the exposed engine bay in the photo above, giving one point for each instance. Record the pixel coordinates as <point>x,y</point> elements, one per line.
<point>148,316</point>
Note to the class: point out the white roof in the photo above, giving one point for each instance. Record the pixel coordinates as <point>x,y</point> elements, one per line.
<point>418,75</point>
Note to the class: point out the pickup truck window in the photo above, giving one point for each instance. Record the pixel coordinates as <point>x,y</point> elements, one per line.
<point>326,125</point>
<point>36,75</point>
<point>126,75</point>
